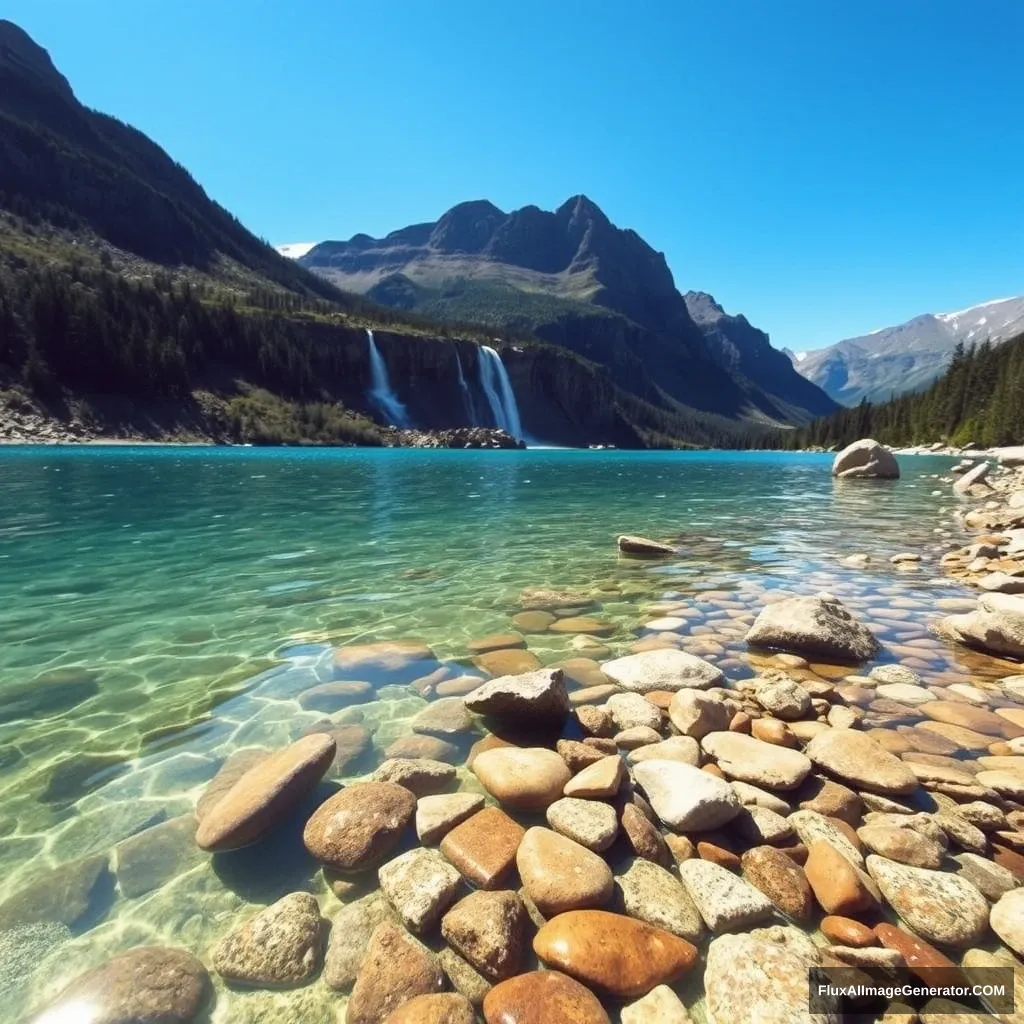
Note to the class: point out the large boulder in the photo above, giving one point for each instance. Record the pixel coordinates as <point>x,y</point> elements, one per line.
<point>1011,456</point>
<point>996,625</point>
<point>819,626</point>
<point>971,478</point>
<point>865,459</point>
<point>538,696</point>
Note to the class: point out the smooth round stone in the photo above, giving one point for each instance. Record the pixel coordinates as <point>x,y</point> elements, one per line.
<point>1009,784</point>
<point>588,822</point>
<point>358,827</point>
<point>509,661</point>
<point>443,718</point>
<point>278,946</point>
<point>350,934</point>
<point>939,906</point>
<point>753,796</point>
<point>527,778</point>
<point>266,794</point>
<point>395,969</point>
<point>726,902</point>
<point>489,930</point>
<point>660,1006</point>
<point>1007,920</point>
<point>331,697</point>
<point>420,885</point>
<point>663,668</point>
<point>458,687</point>
<point>666,624</point>
<point>439,1008</point>
<point>784,698</point>
<point>686,798</point>
<point>754,761</point>
<point>631,710</point>
<point>559,874</point>
<point>905,693</point>
<point>772,730</point>
<point>844,931</point>
<point>780,879</point>
<point>391,656</point>
<point>533,622</point>
<point>651,893</point>
<point>811,827</point>
<point>839,887</point>
<point>582,624</point>
<point>761,976</point>
<point>422,776</point>
<point>968,716</point>
<point>437,815</point>
<point>145,985</point>
<point>542,997</point>
<point>695,713</point>
<point>860,760</point>
<point>956,737</point>
<point>903,845</point>
<point>611,953</point>
<point>484,846</point>
<point>495,642</point>
<point>675,748</point>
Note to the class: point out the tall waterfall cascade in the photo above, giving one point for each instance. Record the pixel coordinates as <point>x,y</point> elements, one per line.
<point>380,394</point>
<point>498,389</point>
<point>467,395</point>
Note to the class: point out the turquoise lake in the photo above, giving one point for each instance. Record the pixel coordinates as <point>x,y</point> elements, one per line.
<point>163,607</point>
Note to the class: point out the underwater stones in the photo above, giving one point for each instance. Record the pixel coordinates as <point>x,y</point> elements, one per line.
<point>351,929</point>
<point>939,906</point>
<point>839,887</point>
<point>541,997</point>
<point>438,1008</point>
<point>42,698</point>
<point>386,661</point>
<point>632,545</point>
<point>331,697</point>
<point>819,626</point>
<point>762,976</point>
<point>967,716</point>
<point>489,930</point>
<point>358,827</point>
<point>483,847</point>
<point>265,795</point>
<point>420,885</point>
<point>611,953</point>
<point>67,894</point>
<point>145,985</point>
<point>508,661</point>
<point>995,626</point>
<point>559,874</point>
<point>754,761</point>
<point>395,969</point>
<point>725,901</point>
<point>278,946</point>
<point>651,893</point>
<point>437,815</point>
<point>858,759</point>
<point>533,621</point>
<point>236,765</point>
<point>151,858</point>
<point>495,642</point>
<point>781,879</point>
<point>865,459</point>
<point>660,1006</point>
<point>528,697</point>
<point>527,778</point>
<point>445,718</point>
<point>590,823</point>
<point>1007,920</point>
<point>420,775</point>
<point>583,624</point>
<point>686,798</point>
<point>662,669</point>
<point>415,746</point>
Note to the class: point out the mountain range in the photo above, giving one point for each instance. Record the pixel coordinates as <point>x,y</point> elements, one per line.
<point>909,356</point>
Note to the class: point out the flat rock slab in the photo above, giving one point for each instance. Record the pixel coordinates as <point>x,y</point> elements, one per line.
<point>153,857</point>
<point>484,847</point>
<point>422,776</point>
<point>726,902</point>
<point>756,762</point>
<point>860,760</point>
<point>63,895</point>
<point>664,669</point>
<point>280,945</point>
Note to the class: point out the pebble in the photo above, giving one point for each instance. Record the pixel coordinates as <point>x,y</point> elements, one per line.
<point>651,893</point>
<point>784,698</point>
<point>839,887</point>
<point>577,755</point>
<point>437,815</point>
<point>662,669</point>
<point>643,837</point>
<point>686,798</point>
<point>281,945</point>
<point>631,710</point>
<point>1007,920</point>
<point>860,760</point>
<point>830,799</point>
<point>601,779</point>
<point>617,955</point>
<point>588,822</point>
<point>542,997</point>
<point>508,661</point>
<point>754,761</point>
<point>812,827</point>
<point>331,697</point>
<point>675,748</point>
<point>844,931</point>
<point>526,778</point>
<point>696,713</point>
<point>350,934</point>
<point>439,1008</point>
<point>421,776</point>
<point>780,879</point>
<point>992,880</point>
<point>637,736</point>
<point>444,718</point>
<point>660,1006</point>
<point>903,845</point>
<point>484,846</point>
<point>420,884</point>
<point>489,929</point>
<point>725,902</point>
<point>560,875</point>
<point>916,952</point>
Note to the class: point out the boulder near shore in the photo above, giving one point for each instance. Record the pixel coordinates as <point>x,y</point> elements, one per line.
<point>865,460</point>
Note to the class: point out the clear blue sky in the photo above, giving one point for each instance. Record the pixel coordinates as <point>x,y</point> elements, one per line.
<point>824,166</point>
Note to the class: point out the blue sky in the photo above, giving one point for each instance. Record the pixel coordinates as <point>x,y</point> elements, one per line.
<point>824,166</point>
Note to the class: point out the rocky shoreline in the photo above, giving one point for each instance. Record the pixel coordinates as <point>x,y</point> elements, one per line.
<point>653,834</point>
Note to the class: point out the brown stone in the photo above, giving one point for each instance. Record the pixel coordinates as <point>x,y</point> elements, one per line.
<point>483,847</point>
<point>559,874</point>
<point>265,794</point>
<point>396,968</point>
<point>619,955</point>
<point>236,765</point>
<point>526,778</point>
<point>533,622</point>
<point>331,697</point>
<point>440,1008</point>
<point>918,954</point>
<point>968,716</point>
<point>961,738</point>
<point>680,847</point>
<point>358,827</point>
<point>578,755</point>
<point>583,624</point>
<point>646,840</point>
<point>1009,859</point>
<point>595,721</point>
<point>508,661</point>
<point>780,879</point>
<point>838,886</point>
<point>489,930</point>
<point>844,931</point>
<point>542,997</point>
<point>600,779</point>
<point>458,687</point>
<point>772,730</point>
<point>495,642</point>
<point>831,799</point>
<point>718,855</point>
<point>432,748</point>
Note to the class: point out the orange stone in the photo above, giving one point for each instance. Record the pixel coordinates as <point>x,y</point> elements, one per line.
<point>509,661</point>
<point>439,1008</point>
<point>844,931</point>
<point>542,997</point>
<point>718,855</point>
<point>483,847</point>
<point>611,953</point>
<point>968,716</point>
<point>917,954</point>
<point>837,884</point>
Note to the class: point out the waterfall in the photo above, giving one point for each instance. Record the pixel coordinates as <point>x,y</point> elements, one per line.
<point>467,395</point>
<point>380,393</point>
<point>498,388</point>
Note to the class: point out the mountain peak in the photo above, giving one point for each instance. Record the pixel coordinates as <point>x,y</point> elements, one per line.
<point>581,206</point>
<point>22,57</point>
<point>703,307</point>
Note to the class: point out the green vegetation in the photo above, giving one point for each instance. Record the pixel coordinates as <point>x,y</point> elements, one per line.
<point>259,417</point>
<point>980,398</point>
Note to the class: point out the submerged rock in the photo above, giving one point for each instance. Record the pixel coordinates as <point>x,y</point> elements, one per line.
<point>995,626</point>
<point>820,626</point>
<point>632,545</point>
<point>439,1008</point>
<point>559,874</point>
<point>420,885</point>
<point>862,761</point>
<point>489,930</point>
<point>865,459</point>
<point>662,669</point>
<point>527,778</point>
<point>350,934</point>
<point>63,895</point>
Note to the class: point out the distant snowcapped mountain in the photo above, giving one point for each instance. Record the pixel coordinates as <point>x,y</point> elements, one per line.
<point>909,356</point>
<point>293,250</point>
